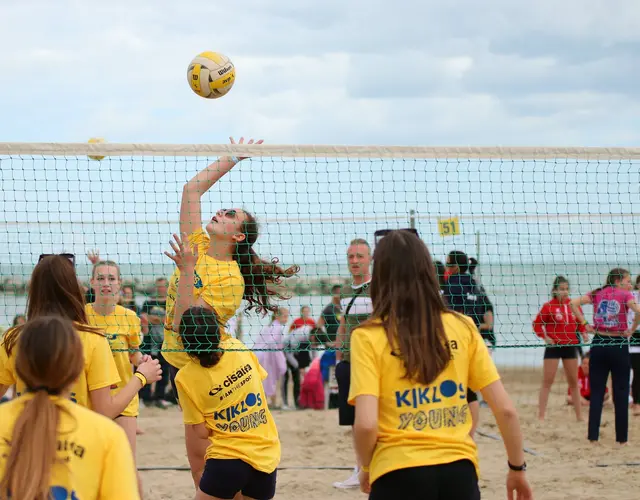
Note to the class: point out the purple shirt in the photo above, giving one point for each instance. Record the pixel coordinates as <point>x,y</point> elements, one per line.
<point>610,309</point>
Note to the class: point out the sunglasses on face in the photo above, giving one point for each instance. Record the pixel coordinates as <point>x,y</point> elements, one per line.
<point>381,233</point>
<point>229,213</point>
<point>70,256</point>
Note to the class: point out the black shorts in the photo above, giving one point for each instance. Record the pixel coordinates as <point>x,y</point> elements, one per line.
<point>225,478</point>
<point>561,352</point>
<point>346,412</point>
<point>472,397</point>
<point>453,481</point>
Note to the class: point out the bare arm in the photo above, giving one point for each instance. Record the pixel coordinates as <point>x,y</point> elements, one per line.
<point>365,428</point>
<point>577,310</point>
<point>196,440</point>
<point>487,321</point>
<point>341,339</point>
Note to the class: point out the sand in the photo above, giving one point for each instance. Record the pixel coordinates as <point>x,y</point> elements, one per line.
<point>565,468</point>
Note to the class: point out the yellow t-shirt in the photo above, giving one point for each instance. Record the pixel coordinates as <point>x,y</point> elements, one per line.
<point>219,283</point>
<point>99,368</point>
<point>94,455</point>
<point>421,425</point>
<point>123,331</point>
<point>229,399</point>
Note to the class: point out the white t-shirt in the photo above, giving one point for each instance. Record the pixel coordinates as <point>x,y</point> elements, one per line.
<point>630,317</point>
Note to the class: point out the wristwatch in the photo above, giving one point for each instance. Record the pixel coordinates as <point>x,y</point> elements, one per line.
<point>519,468</point>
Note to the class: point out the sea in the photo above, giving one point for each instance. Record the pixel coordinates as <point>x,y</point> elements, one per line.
<point>517,292</point>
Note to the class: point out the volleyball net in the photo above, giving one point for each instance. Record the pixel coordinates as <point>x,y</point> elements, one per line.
<point>526,214</point>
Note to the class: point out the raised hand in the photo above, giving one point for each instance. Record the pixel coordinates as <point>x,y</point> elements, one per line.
<point>183,257</point>
<point>241,141</point>
<point>93,256</point>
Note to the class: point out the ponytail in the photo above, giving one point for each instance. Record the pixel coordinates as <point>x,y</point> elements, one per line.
<point>259,275</point>
<point>614,275</point>
<point>33,450</point>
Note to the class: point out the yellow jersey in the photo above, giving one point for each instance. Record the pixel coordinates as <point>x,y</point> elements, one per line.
<point>219,283</point>
<point>94,456</point>
<point>123,331</point>
<point>229,399</point>
<point>421,425</point>
<point>99,368</point>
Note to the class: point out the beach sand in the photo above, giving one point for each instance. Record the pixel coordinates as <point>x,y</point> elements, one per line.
<point>565,468</point>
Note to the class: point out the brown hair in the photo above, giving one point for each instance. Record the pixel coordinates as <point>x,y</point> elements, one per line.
<point>49,360</point>
<point>615,275</point>
<point>405,293</point>
<point>560,280</point>
<point>54,290</point>
<point>258,274</point>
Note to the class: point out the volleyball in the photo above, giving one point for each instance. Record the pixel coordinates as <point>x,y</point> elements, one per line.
<point>96,140</point>
<point>211,75</point>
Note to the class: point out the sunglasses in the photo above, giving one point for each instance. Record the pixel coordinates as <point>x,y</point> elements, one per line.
<point>229,213</point>
<point>381,233</point>
<point>70,256</point>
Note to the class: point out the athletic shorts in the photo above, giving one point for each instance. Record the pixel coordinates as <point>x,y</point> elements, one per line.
<point>454,481</point>
<point>561,352</point>
<point>472,397</point>
<point>346,412</point>
<point>224,478</point>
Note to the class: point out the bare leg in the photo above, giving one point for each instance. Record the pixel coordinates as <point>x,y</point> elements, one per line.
<point>549,369</point>
<point>571,372</point>
<point>130,424</point>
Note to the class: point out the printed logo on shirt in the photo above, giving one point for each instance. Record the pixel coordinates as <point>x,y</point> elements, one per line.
<point>236,418</point>
<point>607,312</point>
<point>232,382</point>
<point>197,281</point>
<point>448,391</point>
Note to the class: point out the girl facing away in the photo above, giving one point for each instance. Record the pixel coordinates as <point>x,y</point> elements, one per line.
<point>49,446</point>
<point>225,408</point>
<point>55,290</point>
<point>562,332</point>
<point>609,353</point>
<point>412,364</point>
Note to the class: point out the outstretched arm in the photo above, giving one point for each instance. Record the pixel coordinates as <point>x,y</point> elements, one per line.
<point>190,210</point>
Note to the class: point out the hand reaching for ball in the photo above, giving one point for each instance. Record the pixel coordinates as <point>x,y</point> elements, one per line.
<point>241,141</point>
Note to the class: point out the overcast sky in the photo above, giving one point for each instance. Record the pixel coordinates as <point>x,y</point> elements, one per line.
<point>425,72</point>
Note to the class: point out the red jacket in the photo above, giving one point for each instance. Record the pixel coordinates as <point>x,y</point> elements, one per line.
<point>557,320</point>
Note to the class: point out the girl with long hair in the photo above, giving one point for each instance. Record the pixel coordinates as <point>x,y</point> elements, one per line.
<point>561,331</point>
<point>609,353</point>
<point>227,269</point>
<point>225,407</point>
<point>412,364</point>
<point>123,331</point>
<point>50,447</point>
<point>55,290</point>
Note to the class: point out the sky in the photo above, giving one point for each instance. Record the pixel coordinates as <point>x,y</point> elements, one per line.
<point>430,73</point>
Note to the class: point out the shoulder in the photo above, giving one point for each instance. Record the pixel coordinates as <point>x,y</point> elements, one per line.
<point>130,315</point>
<point>88,308</point>
<point>90,419</point>
<point>457,324</point>
<point>373,331</point>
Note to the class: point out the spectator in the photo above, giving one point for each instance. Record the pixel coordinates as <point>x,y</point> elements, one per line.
<point>304,319</point>
<point>128,299</point>
<point>272,360</point>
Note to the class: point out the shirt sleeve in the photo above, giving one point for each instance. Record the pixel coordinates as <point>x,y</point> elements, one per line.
<point>365,372</point>
<point>102,370</point>
<point>135,332</point>
<point>7,373</point>
<point>539,322</point>
<point>191,414</point>
<point>482,369</point>
<point>200,240</point>
<point>261,371</point>
<point>119,474</point>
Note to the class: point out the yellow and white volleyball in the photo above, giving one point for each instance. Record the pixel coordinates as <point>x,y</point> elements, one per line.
<point>211,75</point>
<point>96,140</point>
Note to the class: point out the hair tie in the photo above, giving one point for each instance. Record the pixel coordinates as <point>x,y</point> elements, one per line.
<point>51,392</point>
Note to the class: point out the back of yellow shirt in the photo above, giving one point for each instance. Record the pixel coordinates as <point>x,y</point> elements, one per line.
<point>421,425</point>
<point>219,283</point>
<point>94,456</point>
<point>123,331</point>
<point>99,368</point>
<point>229,399</point>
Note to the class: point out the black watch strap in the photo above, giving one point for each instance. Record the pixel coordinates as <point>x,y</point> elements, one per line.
<point>518,468</point>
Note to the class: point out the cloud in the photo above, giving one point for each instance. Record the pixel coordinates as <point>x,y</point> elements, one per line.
<point>423,72</point>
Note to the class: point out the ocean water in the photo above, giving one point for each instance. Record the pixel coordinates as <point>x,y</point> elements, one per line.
<point>517,292</point>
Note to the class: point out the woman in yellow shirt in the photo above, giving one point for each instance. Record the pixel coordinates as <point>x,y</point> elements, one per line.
<point>227,270</point>
<point>123,331</point>
<point>224,406</point>
<point>49,447</point>
<point>411,366</point>
<point>55,289</point>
